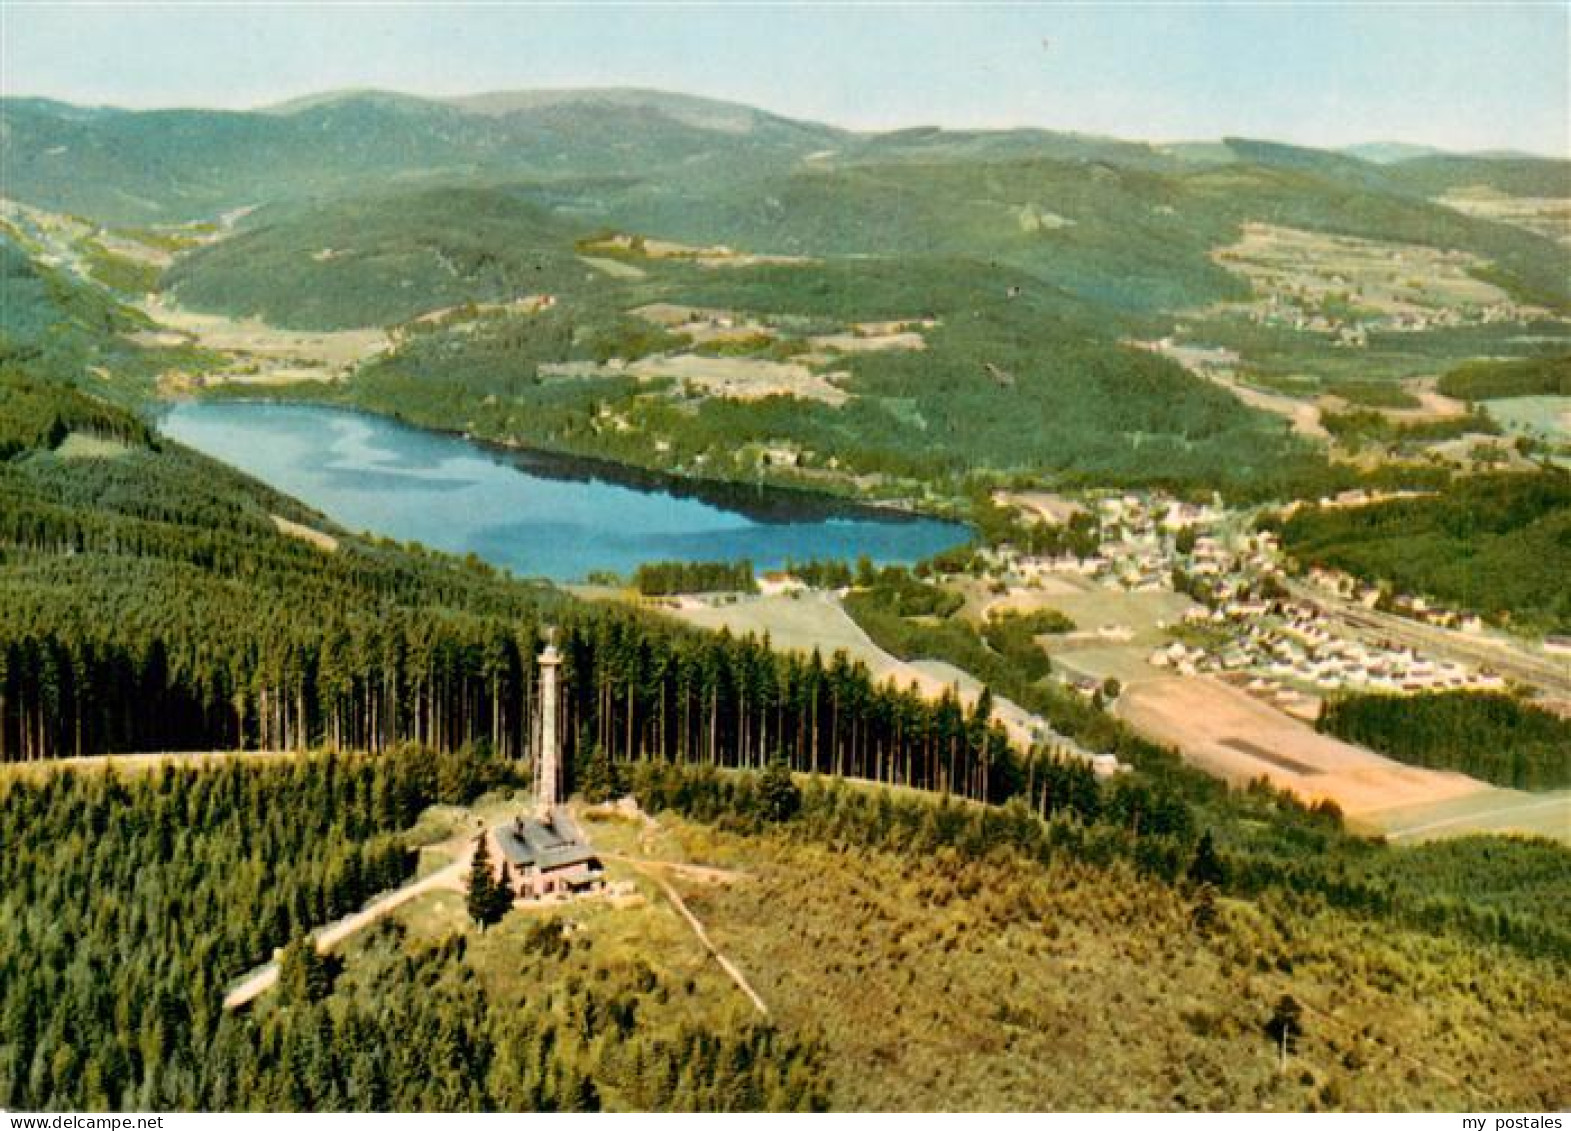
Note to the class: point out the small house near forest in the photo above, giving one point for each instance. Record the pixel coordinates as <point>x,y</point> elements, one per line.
<point>546,856</point>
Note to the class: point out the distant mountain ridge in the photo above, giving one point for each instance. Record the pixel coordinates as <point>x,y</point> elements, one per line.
<point>173,165</point>
<point>124,166</point>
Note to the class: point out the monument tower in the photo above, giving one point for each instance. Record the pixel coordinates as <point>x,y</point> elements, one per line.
<point>548,766</point>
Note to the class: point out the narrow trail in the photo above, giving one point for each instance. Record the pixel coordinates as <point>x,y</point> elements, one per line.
<point>330,936</point>
<point>692,871</point>
<point>651,868</point>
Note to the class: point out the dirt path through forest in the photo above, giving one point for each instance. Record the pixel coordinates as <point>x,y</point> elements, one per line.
<point>451,877</point>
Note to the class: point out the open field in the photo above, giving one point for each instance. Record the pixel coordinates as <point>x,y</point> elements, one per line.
<point>84,445</point>
<point>319,539</point>
<point>642,247</point>
<point>1115,628</point>
<point>1115,661</point>
<point>1316,273</point>
<point>816,620</point>
<point>260,354</point>
<point>1306,413</point>
<point>615,268</point>
<point>1219,366</point>
<point>140,763</point>
<point>1547,419</point>
<point>1042,506</point>
<point>1237,738</point>
<point>794,624</point>
<point>644,918</point>
<point>743,378</point>
<point>870,343</point>
<point>1488,811</point>
<point>1547,216</point>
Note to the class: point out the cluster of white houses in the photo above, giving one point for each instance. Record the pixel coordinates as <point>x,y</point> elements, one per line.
<point>1309,316</point>
<point>1412,606</point>
<point>1294,647</point>
<point>1137,550</point>
<point>1286,644</point>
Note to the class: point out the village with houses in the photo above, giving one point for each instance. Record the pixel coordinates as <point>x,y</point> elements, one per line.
<point>1243,620</point>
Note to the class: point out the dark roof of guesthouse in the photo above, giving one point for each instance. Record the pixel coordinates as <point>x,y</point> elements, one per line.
<point>550,844</point>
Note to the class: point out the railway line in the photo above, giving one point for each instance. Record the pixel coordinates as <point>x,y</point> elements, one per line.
<point>1539,672</point>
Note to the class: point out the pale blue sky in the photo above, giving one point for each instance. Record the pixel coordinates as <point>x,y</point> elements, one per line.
<point>1463,76</point>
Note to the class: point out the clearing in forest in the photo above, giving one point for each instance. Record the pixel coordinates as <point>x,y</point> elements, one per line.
<point>1314,280</point>
<point>805,621</point>
<point>1545,215</point>
<point>743,378</point>
<point>259,354</point>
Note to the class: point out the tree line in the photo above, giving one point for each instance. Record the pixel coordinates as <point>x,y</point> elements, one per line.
<point>1498,545</point>
<point>1498,738</point>
<point>659,578</point>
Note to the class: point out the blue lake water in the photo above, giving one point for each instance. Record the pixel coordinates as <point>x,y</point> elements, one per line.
<point>536,514</point>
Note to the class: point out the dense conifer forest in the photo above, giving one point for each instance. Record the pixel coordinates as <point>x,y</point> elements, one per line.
<point>1518,377</point>
<point>115,1002</point>
<point>1497,738</point>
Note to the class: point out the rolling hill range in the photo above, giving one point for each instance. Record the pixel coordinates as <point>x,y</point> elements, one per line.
<point>177,165</point>
<point>511,245</point>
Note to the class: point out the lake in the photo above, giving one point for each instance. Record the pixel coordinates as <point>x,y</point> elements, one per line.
<point>536,514</point>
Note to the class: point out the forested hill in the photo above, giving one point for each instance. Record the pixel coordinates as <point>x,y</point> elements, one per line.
<point>385,256</point>
<point>1496,544</point>
<point>513,246</point>
<point>1115,233</point>
<point>152,600</point>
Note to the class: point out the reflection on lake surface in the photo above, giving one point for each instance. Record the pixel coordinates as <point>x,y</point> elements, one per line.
<point>535,514</point>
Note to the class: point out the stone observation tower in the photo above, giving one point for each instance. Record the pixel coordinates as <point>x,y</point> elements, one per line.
<point>548,765</point>
<point>547,856</point>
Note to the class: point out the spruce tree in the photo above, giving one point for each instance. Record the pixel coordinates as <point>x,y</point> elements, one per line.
<point>482,898</point>
<point>502,894</point>
<point>1207,867</point>
<point>777,793</point>
<point>597,778</point>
